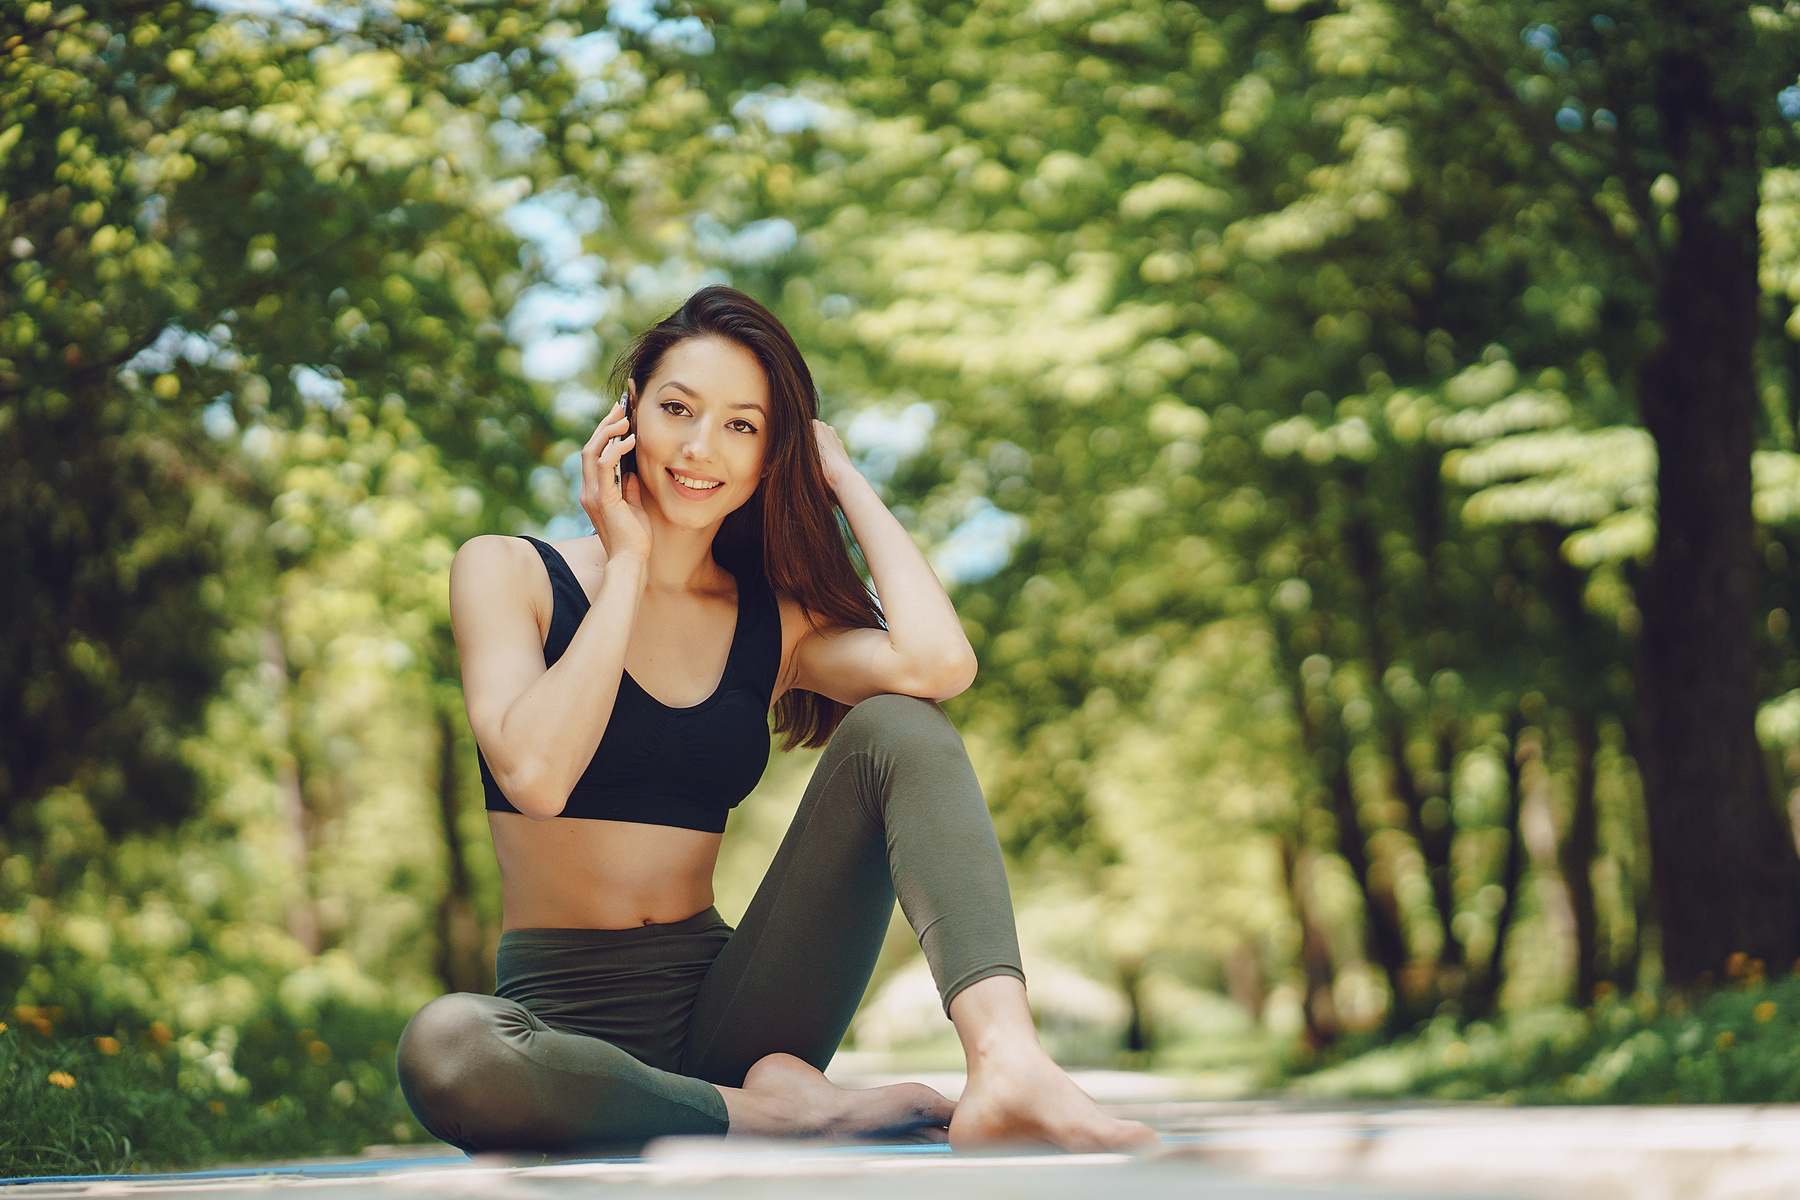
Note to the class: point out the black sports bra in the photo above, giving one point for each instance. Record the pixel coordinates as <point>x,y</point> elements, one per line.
<point>656,765</point>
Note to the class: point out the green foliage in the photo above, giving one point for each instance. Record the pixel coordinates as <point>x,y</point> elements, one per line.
<point>143,1102</point>
<point>1734,1047</point>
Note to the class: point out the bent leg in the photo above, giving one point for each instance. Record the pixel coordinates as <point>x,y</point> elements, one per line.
<point>893,808</point>
<point>483,1073</point>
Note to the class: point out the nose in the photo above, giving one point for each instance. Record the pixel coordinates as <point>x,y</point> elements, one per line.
<point>698,445</point>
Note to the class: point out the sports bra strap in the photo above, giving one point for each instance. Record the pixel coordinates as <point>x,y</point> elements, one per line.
<point>569,600</point>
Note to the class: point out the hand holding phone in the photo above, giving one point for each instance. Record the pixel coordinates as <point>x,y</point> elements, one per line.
<point>628,461</point>
<point>616,512</point>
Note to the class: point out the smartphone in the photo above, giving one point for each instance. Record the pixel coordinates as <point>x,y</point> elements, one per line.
<point>627,463</point>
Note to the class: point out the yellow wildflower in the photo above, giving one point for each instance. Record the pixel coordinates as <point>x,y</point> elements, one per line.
<point>107,1045</point>
<point>62,1079</point>
<point>1726,1040</point>
<point>1765,1011</point>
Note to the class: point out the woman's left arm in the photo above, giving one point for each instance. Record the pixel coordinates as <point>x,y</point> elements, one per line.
<point>923,651</point>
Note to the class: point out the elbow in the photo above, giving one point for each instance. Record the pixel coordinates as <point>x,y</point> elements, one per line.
<point>527,790</point>
<point>950,676</point>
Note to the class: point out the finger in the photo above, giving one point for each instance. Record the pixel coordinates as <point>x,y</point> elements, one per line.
<point>609,427</point>
<point>611,417</point>
<point>597,472</point>
<point>616,449</point>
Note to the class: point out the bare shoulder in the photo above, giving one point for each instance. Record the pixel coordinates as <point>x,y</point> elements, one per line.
<point>494,549</point>
<point>492,572</point>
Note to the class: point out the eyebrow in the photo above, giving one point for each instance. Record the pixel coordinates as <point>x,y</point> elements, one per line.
<point>677,384</point>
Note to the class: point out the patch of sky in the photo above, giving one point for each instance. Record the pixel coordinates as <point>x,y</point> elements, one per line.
<point>639,16</point>
<point>552,322</point>
<point>754,244</point>
<point>317,388</point>
<point>783,113</point>
<point>171,344</point>
<point>980,546</point>
<point>516,143</point>
<point>883,439</point>
<point>218,420</point>
<point>591,96</point>
<point>1539,37</point>
<point>1604,120</point>
<point>586,56</point>
<point>572,521</point>
<point>549,487</point>
<point>576,405</point>
<point>559,357</point>
<point>687,35</point>
<point>565,527</point>
<point>340,20</point>
<point>1788,99</point>
<point>479,74</point>
<point>553,223</point>
<point>1569,119</point>
<point>545,310</point>
<point>667,285</point>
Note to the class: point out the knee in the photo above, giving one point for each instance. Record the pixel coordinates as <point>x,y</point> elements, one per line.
<point>905,724</point>
<point>439,1061</point>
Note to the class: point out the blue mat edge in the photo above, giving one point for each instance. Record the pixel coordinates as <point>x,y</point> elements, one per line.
<point>389,1165</point>
<point>386,1166</point>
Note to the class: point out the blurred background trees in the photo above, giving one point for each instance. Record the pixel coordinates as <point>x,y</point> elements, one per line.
<point>1360,440</point>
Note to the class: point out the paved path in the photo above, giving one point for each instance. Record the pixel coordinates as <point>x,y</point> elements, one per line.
<point>1215,1151</point>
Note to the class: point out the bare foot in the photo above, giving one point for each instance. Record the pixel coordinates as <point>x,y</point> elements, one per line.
<point>1027,1100</point>
<point>785,1097</point>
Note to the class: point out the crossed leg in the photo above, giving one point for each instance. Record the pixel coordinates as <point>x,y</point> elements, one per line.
<point>893,809</point>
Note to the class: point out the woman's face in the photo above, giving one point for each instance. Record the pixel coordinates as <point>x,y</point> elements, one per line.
<point>702,430</point>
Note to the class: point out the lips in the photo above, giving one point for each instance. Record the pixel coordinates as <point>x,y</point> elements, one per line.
<point>697,493</point>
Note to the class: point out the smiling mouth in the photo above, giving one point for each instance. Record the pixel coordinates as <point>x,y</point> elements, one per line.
<point>691,484</point>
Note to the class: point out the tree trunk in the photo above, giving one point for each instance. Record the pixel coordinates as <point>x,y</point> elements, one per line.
<point>1384,929</point>
<point>1484,998</point>
<point>459,949</point>
<point>1319,1009</point>
<point>296,820</point>
<point>1727,878</point>
<point>1575,859</point>
<point>1384,934</point>
<point>1435,842</point>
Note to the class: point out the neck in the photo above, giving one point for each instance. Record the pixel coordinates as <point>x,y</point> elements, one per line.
<point>680,558</point>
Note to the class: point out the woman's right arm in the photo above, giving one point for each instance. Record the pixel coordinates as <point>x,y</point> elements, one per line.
<point>538,728</point>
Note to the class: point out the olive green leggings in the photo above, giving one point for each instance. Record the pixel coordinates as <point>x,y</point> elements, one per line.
<point>611,1037</point>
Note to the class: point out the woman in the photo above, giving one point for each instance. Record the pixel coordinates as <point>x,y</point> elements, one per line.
<point>619,686</point>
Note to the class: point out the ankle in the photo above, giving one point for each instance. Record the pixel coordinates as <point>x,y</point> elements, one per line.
<point>1002,1049</point>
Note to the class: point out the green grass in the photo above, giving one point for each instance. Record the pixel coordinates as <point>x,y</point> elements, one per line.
<point>1740,1046</point>
<point>156,1102</point>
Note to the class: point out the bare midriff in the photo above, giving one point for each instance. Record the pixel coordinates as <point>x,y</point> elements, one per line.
<point>575,873</point>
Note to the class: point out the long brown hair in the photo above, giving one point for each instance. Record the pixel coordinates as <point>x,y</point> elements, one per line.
<point>788,530</point>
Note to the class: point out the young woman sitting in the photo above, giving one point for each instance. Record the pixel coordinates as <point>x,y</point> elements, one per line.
<point>619,688</point>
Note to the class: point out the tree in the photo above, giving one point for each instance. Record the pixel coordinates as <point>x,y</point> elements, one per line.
<point>205,227</point>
